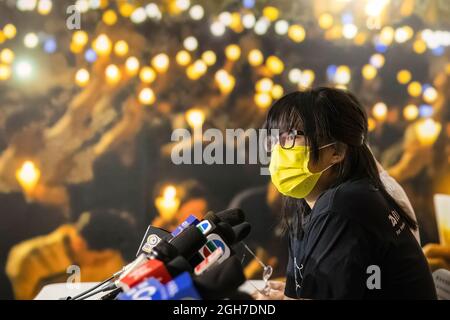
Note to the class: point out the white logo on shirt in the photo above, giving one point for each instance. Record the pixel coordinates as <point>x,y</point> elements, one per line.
<point>394,217</point>
<point>298,270</point>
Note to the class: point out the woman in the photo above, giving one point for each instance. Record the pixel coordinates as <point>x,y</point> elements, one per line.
<point>349,239</point>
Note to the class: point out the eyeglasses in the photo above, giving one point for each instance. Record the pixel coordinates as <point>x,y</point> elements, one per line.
<point>285,139</point>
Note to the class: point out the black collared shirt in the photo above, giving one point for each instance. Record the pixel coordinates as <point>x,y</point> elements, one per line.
<point>355,245</point>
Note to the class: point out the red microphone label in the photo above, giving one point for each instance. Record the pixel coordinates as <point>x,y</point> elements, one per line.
<point>151,269</point>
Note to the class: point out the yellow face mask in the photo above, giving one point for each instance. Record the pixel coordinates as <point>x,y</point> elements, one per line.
<point>289,171</point>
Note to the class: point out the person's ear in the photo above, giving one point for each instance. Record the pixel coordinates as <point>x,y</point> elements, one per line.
<point>338,153</point>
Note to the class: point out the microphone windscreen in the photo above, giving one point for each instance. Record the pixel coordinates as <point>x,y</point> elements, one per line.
<point>164,251</point>
<point>241,231</point>
<point>231,216</point>
<point>189,241</point>
<point>179,265</point>
<point>226,231</point>
<point>221,280</point>
<point>211,217</point>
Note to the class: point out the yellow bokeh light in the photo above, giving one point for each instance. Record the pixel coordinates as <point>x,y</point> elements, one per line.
<point>255,57</point>
<point>414,89</point>
<point>387,35</point>
<point>102,45</point>
<point>147,74</point>
<point>82,77</point>
<point>121,48</point>
<point>326,21</point>
<point>9,31</point>
<point>209,57</point>
<point>296,33</point>
<point>28,175</point>
<point>183,58</point>
<point>427,131</point>
<point>168,203</point>
<point>263,100</point>
<point>430,95</point>
<point>343,75</point>
<point>7,56</point>
<point>404,76</point>
<point>147,96</point>
<point>271,13</point>
<point>379,111</point>
<point>419,46</point>
<point>371,124</point>
<point>132,66</point>
<point>5,72</point>
<point>411,112</point>
<point>80,38</point>
<point>275,65</point>
<point>225,81</point>
<point>277,91</point>
<point>232,52</point>
<point>126,9</point>
<point>195,117</point>
<point>264,85</point>
<point>113,74</point>
<point>44,7</point>
<point>369,72</point>
<point>161,62</point>
<point>109,17</point>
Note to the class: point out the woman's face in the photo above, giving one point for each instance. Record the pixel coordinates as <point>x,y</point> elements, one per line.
<point>297,138</point>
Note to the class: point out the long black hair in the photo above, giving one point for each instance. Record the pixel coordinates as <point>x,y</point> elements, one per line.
<point>329,115</point>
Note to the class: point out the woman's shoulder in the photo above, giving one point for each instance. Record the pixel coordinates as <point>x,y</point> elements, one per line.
<point>354,199</point>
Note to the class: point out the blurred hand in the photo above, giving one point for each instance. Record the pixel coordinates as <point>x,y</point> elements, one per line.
<point>275,292</point>
<point>438,256</point>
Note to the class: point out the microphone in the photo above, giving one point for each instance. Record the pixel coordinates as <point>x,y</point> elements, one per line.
<point>209,261</point>
<point>221,280</point>
<point>152,237</point>
<point>191,220</point>
<point>233,216</point>
<point>155,269</point>
<point>218,236</point>
<point>241,231</point>
<point>180,288</point>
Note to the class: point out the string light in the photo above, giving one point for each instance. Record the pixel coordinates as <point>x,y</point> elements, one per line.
<point>195,118</point>
<point>326,21</point>
<point>121,48</point>
<point>44,7</point>
<point>23,69</point>
<point>277,91</point>
<point>80,38</point>
<point>190,43</point>
<point>132,66</point>
<point>343,75</point>
<point>264,85</point>
<point>183,58</point>
<point>427,131</point>
<point>113,74</point>
<point>369,72</point>
<point>271,13</point>
<point>9,31</point>
<point>275,65</point>
<point>6,56</point>
<point>82,77</point>
<point>379,111</point>
<point>147,96</point>
<point>414,89</point>
<point>109,17</point>
<point>197,12</point>
<point>377,60</point>
<point>430,95</point>
<point>31,40</point>
<point>263,100</point>
<point>102,45</point>
<point>147,75</point>
<point>281,27</point>
<point>232,52</point>
<point>404,76</point>
<point>255,57</point>
<point>160,62</point>
<point>209,57</point>
<point>296,33</point>
<point>295,75</point>
<point>411,112</point>
<point>5,72</point>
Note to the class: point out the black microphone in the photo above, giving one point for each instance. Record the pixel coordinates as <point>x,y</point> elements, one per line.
<point>189,241</point>
<point>152,237</point>
<point>241,231</point>
<point>231,216</point>
<point>221,280</point>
